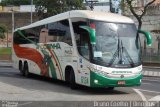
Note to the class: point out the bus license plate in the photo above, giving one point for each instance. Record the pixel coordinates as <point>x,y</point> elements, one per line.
<point>121,83</point>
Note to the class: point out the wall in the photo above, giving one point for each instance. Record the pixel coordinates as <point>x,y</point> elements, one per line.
<point>151,22</point>
<point>21,19</point>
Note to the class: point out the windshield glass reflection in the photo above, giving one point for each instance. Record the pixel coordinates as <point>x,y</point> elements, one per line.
<point>116,45</point>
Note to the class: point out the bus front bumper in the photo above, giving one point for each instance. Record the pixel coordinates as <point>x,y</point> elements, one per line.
<point>97,80</point>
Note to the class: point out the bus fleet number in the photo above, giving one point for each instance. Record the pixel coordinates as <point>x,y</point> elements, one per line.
<point>84,80</point>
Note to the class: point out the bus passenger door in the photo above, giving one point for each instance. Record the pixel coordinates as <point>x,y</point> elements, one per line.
<point>83,47</point>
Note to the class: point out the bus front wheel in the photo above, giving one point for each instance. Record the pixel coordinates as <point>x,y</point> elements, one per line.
<point>72,80</point>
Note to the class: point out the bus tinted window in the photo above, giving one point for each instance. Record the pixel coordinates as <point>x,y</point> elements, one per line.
<point>27,36</point>
<point>17,38</point>
<point>60,31</point>
<point>21,38</point>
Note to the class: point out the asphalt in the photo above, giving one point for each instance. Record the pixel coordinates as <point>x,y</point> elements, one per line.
<point>5,64</point>
<point>147,70</point>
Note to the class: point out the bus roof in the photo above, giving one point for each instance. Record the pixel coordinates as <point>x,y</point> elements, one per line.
<point>101,16</point>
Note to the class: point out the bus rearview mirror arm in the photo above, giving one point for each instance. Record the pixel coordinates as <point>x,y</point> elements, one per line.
<point>148,36</point>
<point>92,33</point>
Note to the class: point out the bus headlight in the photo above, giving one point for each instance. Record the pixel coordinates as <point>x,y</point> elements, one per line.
<point>99,72</point>
<point>102,73</point>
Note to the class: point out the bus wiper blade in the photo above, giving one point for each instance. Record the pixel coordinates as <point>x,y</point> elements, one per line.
<point>114,57</point>
<point>128,56</point>
<point>115,54</point>
<point>119,53</point>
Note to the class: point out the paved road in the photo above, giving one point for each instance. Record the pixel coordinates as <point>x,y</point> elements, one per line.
<point>14,87</point>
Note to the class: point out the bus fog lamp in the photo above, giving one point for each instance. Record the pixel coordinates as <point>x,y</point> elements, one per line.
<point>96,81</point>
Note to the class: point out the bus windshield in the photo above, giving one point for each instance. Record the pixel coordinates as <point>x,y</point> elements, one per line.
<point>117,45</point>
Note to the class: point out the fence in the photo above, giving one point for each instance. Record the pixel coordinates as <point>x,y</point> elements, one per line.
<point>151,57</point>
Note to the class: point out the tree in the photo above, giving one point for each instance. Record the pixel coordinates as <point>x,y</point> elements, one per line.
<point>15,2</point>
<point>46,8</point>
<point>138,13</point>
<point>141,12</point>
<point>2,31</point>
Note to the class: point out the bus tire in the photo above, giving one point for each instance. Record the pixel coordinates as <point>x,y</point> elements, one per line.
<point>72,80</point>
<point>110,88</point>
<point>25,70</point>
<point>21,68</point>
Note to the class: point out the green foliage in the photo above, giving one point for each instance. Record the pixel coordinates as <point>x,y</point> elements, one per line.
<point>15,2</point>
<point>124,7</point>
<point>4,51</point>
<point>46,8</point>
<point>52,7</point>
<point>2,31</point>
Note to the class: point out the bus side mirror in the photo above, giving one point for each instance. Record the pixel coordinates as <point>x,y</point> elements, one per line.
<point>92,33</point>
<point>148,36</point>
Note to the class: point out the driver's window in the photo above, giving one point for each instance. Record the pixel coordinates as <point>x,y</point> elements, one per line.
<point>83,44</point>
<point>82,38</point>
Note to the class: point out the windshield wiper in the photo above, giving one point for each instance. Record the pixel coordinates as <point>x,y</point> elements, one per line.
<point>119,52</point>
<point>127,55</point>
<point>115,54</point>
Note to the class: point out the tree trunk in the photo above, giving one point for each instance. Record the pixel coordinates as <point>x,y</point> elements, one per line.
<point>139,23</point>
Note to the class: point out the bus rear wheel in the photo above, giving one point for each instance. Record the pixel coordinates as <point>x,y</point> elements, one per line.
<point>21,68</point>
<point>25,70</point>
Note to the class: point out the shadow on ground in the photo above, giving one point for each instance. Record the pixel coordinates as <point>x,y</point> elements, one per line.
<point>34,82</point>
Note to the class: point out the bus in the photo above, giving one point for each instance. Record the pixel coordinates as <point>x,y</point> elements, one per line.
<point>89,48</point>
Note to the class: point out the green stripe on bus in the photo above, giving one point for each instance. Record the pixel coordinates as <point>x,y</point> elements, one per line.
<point>53,71</point>
<point>97,80</point>
<point>58,63</point>
<point>51,65</point>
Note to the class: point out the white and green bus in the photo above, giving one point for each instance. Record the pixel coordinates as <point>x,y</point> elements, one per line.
<point>93,49</point>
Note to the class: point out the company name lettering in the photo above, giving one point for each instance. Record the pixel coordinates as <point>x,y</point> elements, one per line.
<point>49,46</point>
<point>125,72</point>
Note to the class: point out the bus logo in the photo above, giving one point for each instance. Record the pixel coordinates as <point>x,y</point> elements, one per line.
<point>122,76</point>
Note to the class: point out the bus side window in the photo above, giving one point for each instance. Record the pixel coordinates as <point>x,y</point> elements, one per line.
<point>63,31</point>
<point>17,38</point>
<point>32,35</point>
<point>43,35</point>
<point>52,32</point>
<point>59,32</point>
<point>83,47</point>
